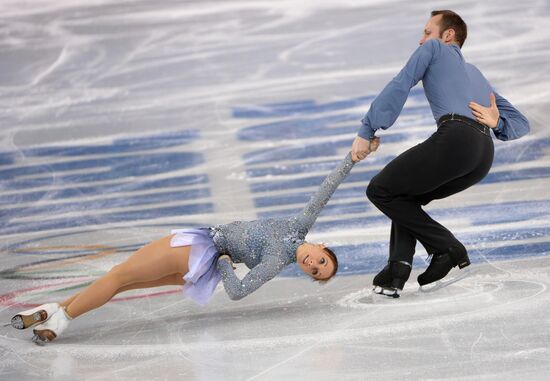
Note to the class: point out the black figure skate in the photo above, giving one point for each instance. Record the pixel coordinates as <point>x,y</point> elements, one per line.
<point>442,263</point>
<point>391,280</point>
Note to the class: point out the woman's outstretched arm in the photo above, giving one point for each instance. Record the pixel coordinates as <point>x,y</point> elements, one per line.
<point>306,218</point>
<point>237,289</point>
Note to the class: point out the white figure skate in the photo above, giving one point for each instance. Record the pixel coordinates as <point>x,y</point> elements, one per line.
<point>34,316</point>
<point>52,328</point>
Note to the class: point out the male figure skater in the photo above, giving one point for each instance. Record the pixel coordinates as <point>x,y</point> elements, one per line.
<point>458,155</point>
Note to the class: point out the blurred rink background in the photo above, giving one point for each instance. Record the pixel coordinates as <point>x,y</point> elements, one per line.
<point>122,120</point>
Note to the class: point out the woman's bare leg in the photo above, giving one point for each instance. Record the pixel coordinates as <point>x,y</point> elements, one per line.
<point>152,262</point>
<point>169,280</point>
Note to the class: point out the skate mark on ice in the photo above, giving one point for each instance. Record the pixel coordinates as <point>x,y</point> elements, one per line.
<point>476,292</point>
<point>445,283</point>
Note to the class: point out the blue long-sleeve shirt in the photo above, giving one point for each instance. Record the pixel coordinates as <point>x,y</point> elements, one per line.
<point>450,83</point>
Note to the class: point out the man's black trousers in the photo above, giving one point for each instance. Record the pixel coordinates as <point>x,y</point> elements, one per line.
<point>455,157</point>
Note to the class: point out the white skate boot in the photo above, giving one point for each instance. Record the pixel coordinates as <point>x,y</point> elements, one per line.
<point>49,330</point>
<point>34,316</point>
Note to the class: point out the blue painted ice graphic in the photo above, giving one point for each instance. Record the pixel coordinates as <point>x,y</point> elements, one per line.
<point>69,176</point>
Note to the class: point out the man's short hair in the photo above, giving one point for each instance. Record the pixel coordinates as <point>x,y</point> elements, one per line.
<point>451,20</point>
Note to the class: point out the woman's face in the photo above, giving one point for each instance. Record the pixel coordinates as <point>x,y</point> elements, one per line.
<point>315,261</point>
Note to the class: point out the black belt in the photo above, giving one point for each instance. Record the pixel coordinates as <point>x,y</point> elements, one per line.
<point>464,119</point>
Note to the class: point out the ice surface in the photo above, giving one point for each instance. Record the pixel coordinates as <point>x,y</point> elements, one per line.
<point>123,120</point>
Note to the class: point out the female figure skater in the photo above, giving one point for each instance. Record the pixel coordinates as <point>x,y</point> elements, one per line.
<point>199,258</point>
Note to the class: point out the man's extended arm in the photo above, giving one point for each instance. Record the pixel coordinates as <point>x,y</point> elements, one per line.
<point>387,106</point>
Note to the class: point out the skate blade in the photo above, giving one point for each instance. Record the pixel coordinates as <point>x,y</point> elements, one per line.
<point>27,321</point>
<point>38,340</point>
<point>43,336</point>
<point>392,293</point>
<point>438,285</point>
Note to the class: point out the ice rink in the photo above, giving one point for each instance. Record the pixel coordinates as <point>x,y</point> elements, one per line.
<point>121,120</point>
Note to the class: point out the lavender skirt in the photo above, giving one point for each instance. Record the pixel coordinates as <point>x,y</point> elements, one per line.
<point>203,275</point>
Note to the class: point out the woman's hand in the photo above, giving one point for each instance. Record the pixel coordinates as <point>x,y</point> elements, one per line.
<point>486,115</point>
<point>225,257</point>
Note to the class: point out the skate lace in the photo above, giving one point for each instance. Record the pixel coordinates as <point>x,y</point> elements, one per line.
<point>429,259</point>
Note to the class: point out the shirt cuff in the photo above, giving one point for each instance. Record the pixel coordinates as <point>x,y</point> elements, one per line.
<point>366,132</point>
<point>499,126</point>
